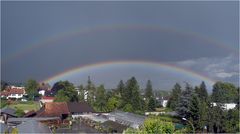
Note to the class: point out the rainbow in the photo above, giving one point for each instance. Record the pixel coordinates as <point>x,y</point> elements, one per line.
<point>107,28</point>
<point>85,68</point>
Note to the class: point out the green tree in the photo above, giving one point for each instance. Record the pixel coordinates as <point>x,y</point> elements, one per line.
<point>128,108</point>
<point>61,97</point>
<point>133,95</point>
<point>91,91</point>
<point>194,109</point>
<point>152,104</point>
<point>231,124</point>
<point>157,126</point>
<point>148,90</point>
<point>67,93</point>
<point>101,100</point>
<point>120,88</point>
<point>31,88</point>
<point>153,125</point>
<point>216,119</point>
<point>174,97</point>
<point>81,93</point>
<point>224,92</point>
<point>113,103</point>
<point>203,94</point>
<point>184,102</point>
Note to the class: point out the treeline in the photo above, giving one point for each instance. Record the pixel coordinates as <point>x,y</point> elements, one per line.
<point>198,107</point>
<point>126,97</point>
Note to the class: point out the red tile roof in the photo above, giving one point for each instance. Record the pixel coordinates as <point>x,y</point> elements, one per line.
<point>12,91</point>
<point>53,109</point>
<point>48,98</point>
<point>57,109</point>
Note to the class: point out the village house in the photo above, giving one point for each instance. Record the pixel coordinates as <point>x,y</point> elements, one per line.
<point>13,93</point>
<point>64,109</point>
<point>53,109</point>
<point>43,88</point>
<point>79,108</point>
<point>6,113</point>
<point>45,99</point>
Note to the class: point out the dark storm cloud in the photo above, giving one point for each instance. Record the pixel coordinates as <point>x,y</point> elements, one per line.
<point>196,30</point>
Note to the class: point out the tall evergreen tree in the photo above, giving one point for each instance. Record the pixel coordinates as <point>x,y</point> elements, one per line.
<point>201,91</point>
<point>120,87</point>
<point>101,101</point>
<point>174,97</point>
<point>151,104</point>
<point>81,94</point>
<point>133,95</point>
<point>184,102</point>
<point>91,91</point>
<point>149,90</point>
<point>194,109</point>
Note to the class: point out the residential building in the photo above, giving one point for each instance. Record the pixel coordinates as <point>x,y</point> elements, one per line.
<point>13,93</point>
<point>79,108</point>
<point>226,106</point>
<point>64,109</point>
<point>45,99</point>
<point>6,113</point>
<point>54,109</point>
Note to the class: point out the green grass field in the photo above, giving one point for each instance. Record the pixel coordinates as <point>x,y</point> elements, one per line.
<point>26,106</point>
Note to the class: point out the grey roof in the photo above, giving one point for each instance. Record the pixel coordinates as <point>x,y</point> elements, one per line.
<point>34,118</point>
<point>32,126</point>
<point>128,118</point>
<point>9,111</point>
<point>3,127</point>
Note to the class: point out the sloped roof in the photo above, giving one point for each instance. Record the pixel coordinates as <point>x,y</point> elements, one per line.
<point>53,109</point>
<point>128,118</point>
<point>47,98</point>
<point>12,91</point>
<point>9,111</point>
<point>3,128</point>
<point>79,107</point>
<point>32,126</point>
<point>30,113</point>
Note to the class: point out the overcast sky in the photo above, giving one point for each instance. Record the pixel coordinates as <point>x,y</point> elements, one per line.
<point>42,39</point>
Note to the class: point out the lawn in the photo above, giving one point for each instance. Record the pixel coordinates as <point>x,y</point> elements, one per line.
<point>26,106</point>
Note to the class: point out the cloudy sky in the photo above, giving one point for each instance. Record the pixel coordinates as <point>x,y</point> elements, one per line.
<point>43,39</point>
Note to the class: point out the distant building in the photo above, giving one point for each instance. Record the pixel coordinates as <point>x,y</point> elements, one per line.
<point>6,113</point>
<point>13,93</point>
<point>43,88</point>
<point>45,99</point>
<point>64,109</point>
<point>226,106</point>
<point>79,108</point>
<point>53,109</point>
<point>162,101</point>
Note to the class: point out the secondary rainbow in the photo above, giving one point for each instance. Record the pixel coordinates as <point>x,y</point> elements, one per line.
<point>106,28</point>
<point>82,69</point>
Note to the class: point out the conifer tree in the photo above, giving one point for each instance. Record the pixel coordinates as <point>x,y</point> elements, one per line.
<point>149,90</point>
<point>175,96</point>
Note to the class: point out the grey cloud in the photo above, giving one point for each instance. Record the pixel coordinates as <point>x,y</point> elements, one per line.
<point>221,68</point>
